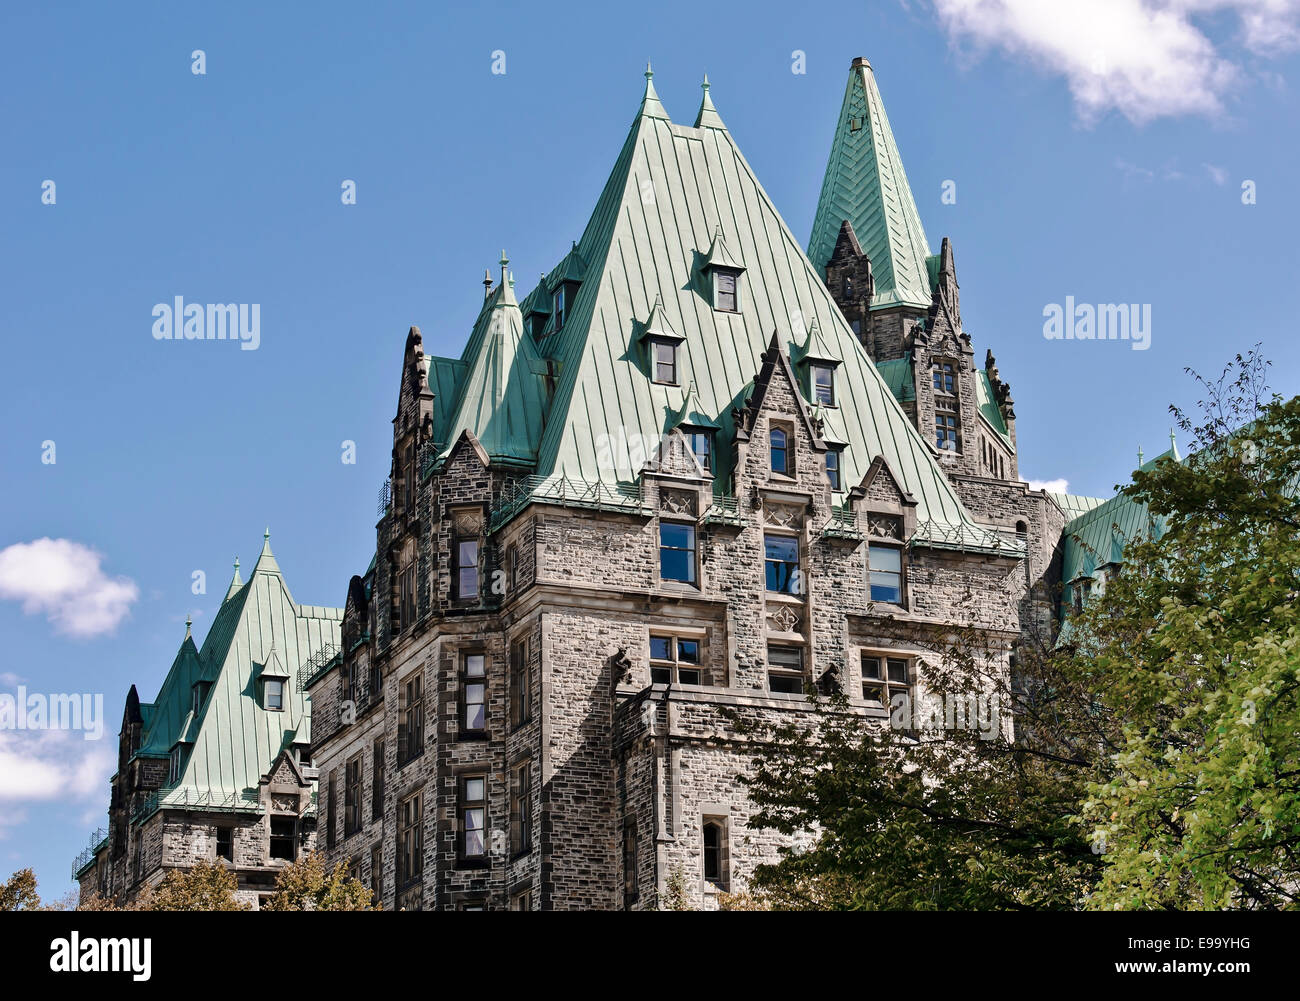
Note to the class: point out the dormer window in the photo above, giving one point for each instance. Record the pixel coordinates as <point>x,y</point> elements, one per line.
<point>726,290</point>
<point>273,694</point>
<point>701,443</point>
<point>823,384</point>
<point>833,469</point>
<point>780,451</point>
<point>561,305</point>
<point>665,362</point>
<point>199,695</point>
<point>176,761</point>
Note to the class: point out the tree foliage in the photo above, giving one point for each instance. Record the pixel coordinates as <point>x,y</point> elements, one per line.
<point>208,886</point>
<point>1155,758</point>
<point>306,885</point>
<point>19,892</point>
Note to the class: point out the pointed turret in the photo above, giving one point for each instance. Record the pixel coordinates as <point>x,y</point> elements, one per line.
<point>865,184</point>
<point>708,118</point>
<point>235,582</point>
<point>945,304</point>
<point>651,107</point>
<point>266,559</point>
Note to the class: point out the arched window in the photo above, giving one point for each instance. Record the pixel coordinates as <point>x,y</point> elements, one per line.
<point>780,451</point>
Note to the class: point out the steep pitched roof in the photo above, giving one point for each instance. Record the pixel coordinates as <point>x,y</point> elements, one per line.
<point>865,183</point>
<point>233,739</point>
<point>671,189</point>
<point>501,397</point>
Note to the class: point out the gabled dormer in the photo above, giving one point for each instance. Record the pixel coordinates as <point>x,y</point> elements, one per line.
<point>272,683</point>
<point>563,285</point>
<point>816,365</point>
<point>720,276</point>
<point>660,342</point>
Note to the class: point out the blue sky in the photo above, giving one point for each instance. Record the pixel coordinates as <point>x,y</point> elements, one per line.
<point>1098,154</point>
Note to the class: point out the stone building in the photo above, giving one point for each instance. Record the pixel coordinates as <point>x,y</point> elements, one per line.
<point>216,766</point>
<point>692,470</point>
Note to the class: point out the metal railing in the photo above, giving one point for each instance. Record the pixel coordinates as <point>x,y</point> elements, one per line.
<point>97,841</point>
<point>596,495</point>
<point>317,664</point>
<point>842,524</point>
<point>188,797</point>
<point>966,538</point>
<point>385,497</point>
<point>723,511</point>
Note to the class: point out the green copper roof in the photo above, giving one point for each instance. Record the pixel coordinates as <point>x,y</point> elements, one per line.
<point>989,409</point>
<point>708,118</point>
<point>501,398</point>
<point>1075,504</point>
<point>898,377</point>
<point>865,184</point>
<point>232,740</point>
<point>672,189</point>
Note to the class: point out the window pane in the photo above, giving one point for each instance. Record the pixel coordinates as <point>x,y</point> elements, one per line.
<point>661,648</point>
<point>661,675</point>
<point>473,790</point>
<point>782,563</point>
<point>789,657</point>
<point>474,665</point>
<point>677,552</point>
<point>897,670</point>
<point>778,442</point>
<point>886,558</point>
<point>871,667</point>
<point>886,587</point>
<point>688,677</point>
<point>688,651</point>
<point>474,707</point>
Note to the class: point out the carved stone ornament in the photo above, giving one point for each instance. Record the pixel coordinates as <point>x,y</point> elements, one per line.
<point>783,515</point>
<point>680,502</point>
<point>467,523</point>
<point>885,526</point>
<point>785,619</point>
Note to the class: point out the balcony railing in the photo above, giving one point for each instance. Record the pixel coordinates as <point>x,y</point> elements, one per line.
<point>385,497</point>
<point>97,841</point>
<point>188,797</point>
<point>316,665</point>
<point>596,495</point>
<point>965,538</point>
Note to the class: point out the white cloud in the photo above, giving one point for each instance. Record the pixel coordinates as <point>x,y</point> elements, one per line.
<point>1061,486</point>
<point>1143,58</point>
<point>51,764</point>
<point>63,580</point>
<point>1219,175</point>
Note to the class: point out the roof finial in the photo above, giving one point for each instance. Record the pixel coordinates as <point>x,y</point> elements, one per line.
<point>504,261</point>
<point>236,564</point>
<point>1173,441</point>
<point>267,534</point>
<point>487,284</point>
<point>708,116</point>
<point>650,104</point>
<point>1140,457</point>
<point>188,623</point>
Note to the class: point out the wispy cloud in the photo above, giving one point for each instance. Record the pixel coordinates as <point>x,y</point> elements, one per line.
<point>64,581</point>
<point>1145,59</point>
<point>1061,486</point>
<point>1219,175</point>
<point>50,765</point>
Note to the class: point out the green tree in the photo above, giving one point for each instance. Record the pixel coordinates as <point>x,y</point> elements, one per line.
<point>1154,760</point>
<point>19,893</point>
<point>208,886</point>
<point>307,886</point>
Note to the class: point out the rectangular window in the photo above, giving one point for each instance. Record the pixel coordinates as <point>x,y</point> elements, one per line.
<point>274,694</point>
<point>473,817</point>
<point>352,796</point>
<point>629,861</point>
<point>521,808</point>
<point>823,380</point>
<point>701,443</point>
<point>677,552</point>
<point>473,718</point>
<point>376,682</point>
<point>779,442</point>
<point>725,284</point>
<point>284,840</point>
<point>406,610</point>
<point>410,841</point>
<point>410,727</point>
<point>331,810</point>
<point>945,380</point>
<point>561,303</point>
<point>946,426</point>
<point>884,677</point>
<point>785,669</point>
<point>886,567</point>
<point>377,782</point>
<point>715,851</point>
<point>675,660</point>
<point>376,874</point>
<point>466,568</point>
<point>833,469</point>
<point>782,561</point>
<point>200,693</point>
<point>226,843</point>
<point>521,683</point>
<point>174,765</point>
<point>665,362</point>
